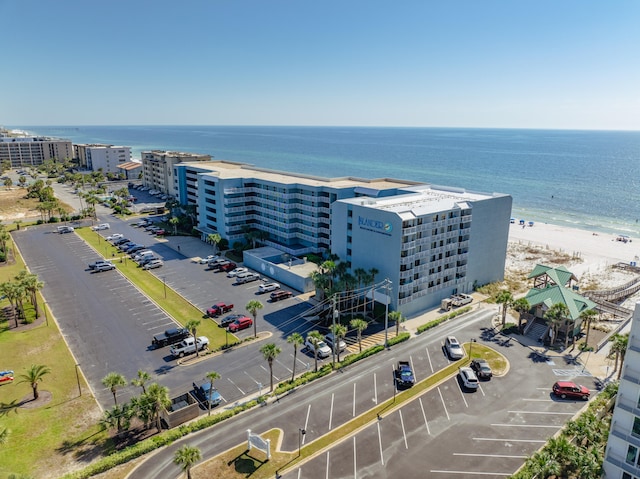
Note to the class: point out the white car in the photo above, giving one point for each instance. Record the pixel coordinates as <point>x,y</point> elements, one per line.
<point>339,345</point>
<point>103,267</point>
<point>100,227</point>
<point>206,260</point>
<point>236,272</point>
<point>154,263</point>
<point>454,350</point>
<point>324,351</point>
<point>114,237</point>
<point>469,378</point>
<point>266,287</point>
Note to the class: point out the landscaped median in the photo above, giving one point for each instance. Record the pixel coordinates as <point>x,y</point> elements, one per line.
<point>239,463</point>
<point>171,302</point>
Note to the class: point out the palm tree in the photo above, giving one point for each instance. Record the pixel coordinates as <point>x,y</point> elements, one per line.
<point>505,298</point>
<point>113,381</point>
<point>339,331</point>
<point>118,417</point>
<point>315,337</point>
<point>588,315</point>
<point>192,325</point>
<point>270,351</point>
<point>360,274</point>
<point>398,318</point>
<point>359,325</point>
<point>211,376</point>
<point>174,222</point>
<point>4,435</point>
<point>186,457</point>
<point>297,340</point>
<point>253,307</point>
<point>554,316</point>
<point>10,291</point>
<point>214,239</point>
<point>158,397</point>
<point>31,285</point>
<point>618,347</point>
<point>141,380</point>
<point>521,305</point>
<point>33,376</point>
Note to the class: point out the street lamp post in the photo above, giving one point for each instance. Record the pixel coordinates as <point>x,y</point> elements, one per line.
<point>164,283</point>
<point>473,340</point>
<point>46,315</point>
<point>386,315</point>
<point>226,338</point>
<point>336,316</point>
<point>78,379</point>
<point>301,433</point>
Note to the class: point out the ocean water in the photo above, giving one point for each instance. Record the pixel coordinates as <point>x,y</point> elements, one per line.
<point>583,179</point>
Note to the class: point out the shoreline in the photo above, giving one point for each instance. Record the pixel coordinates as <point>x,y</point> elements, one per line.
<point>597,250</point>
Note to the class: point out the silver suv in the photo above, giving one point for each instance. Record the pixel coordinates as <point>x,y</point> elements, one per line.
<point>341,345</point>
<point>454,350</point>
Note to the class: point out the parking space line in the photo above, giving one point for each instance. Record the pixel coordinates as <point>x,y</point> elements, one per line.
<point>489,455</point>
<point>267,371</point>
<point>537,400</point>
<point>462,394</point>
<point>331,411</point>
<point>541,412</point>
<point>252,378</point>
<point>404,434</point>
<point>354,401</point>
<point>306,424</point>
<point>241,391</point>
<point>429,358</point>
<point>481,390</point>
<point>498,439</point>
<point>471,473</point>
<point>413,369</point>
<point>426,423</point>
<point>375,389</point>
<point>443,404</point>
<point>525,425</point>
<point>283,365</point>
<point>326,474</point>
<point>380,443</point>
<point>355,467</point>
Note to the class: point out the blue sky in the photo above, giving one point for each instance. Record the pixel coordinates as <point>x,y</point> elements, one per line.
<point>571,64</point>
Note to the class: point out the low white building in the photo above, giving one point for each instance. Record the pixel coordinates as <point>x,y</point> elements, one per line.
<point>105,158</point>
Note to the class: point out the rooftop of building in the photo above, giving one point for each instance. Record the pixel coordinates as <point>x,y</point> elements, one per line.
<point>229,170</point>
<point>177,154</point>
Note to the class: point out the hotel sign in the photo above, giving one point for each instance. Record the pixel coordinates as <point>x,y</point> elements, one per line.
<point>376,226</point>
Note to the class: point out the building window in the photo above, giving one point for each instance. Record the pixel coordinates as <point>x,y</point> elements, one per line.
<point>632,453</point>
<point>636,427</point>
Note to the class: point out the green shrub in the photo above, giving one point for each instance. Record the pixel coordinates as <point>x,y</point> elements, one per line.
<point>398,339</point>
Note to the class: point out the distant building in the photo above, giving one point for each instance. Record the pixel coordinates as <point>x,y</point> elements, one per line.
<point>429,241</point>
<point>27,151</point>
<point>622,456</point>
<point>107,158</point>
<point>158,168</point>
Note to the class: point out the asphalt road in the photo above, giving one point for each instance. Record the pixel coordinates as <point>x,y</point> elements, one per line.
<point>109,323</point>
<point>445,432</point>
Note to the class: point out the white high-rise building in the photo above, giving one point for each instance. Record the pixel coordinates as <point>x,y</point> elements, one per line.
<point>622,456</point>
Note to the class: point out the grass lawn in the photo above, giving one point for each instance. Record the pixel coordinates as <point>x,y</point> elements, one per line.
<point>57,435</point>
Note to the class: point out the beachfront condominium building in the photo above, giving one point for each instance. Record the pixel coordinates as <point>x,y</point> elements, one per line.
<point>622,456</point>
<point>428,241</point>
<point>105,158</point>
<point>158,168</point>
<point>26,151</point>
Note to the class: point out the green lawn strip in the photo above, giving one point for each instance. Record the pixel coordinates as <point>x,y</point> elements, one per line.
<point>286,462</point>
<point>174,304</point>
<point>67,419</point>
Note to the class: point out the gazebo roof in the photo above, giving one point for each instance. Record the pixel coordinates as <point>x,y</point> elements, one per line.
<point>559,275</point>
<point>575,303</point>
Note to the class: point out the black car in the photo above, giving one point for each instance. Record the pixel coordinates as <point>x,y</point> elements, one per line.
<point>227,320</point>
<point>121,241</point>
<point>481,368</point>
<point>170,336</point>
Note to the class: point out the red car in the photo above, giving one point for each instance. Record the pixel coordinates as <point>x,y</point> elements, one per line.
<point>228,267</point>
<point>278,295</point>
<point>568,389</point>
<point>218,309</point>
<point>160,232</point>
<point>240,323</point>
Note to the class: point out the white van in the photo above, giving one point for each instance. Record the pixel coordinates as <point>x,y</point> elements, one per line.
<point>142,255</point>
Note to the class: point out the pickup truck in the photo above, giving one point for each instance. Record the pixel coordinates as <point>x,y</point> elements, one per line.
<point>218,309</point>
<point>206,394</point>
<point>455,301</point>
<point>404,375</point>
<point>170,336</point>
<point>188,346</point>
